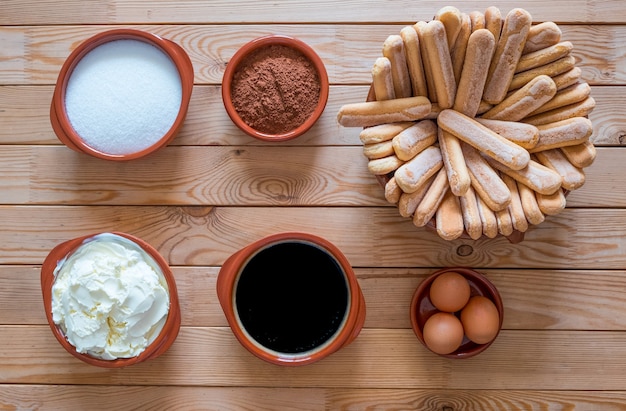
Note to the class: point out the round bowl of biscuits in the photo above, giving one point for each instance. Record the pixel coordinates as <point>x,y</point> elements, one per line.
<point>476,124</point>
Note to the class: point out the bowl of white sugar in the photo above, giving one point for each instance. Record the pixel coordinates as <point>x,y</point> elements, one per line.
<point>110,299</point>
<point>122,94</point>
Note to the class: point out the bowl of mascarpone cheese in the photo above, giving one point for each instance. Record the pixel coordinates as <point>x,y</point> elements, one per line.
<point>110,299</point>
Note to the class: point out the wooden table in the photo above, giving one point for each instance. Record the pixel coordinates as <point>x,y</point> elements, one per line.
<point>214,189</point>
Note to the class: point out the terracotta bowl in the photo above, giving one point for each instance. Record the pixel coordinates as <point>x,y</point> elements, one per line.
<point>58,115</point>
<point>258,44</point>
<point>422,308</point>
<point>348,330</point>
<point>163,341</point>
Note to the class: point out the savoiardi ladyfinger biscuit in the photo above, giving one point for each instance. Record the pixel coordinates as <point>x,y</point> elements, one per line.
<point>385,165</point>
<point>382,82</point>
<point>532,96</point>
<point>378,150</point>
<point>485,180</point>
<point>575,130</point>
<point>544,56</point>
<point>408,202</point>
<point>484,139</point>
<point>553,69</point>
<point>393,49</point>
<point>438,55</point>
<point>415,172</point>
<point>449,218</point>
<point>480,47</point>
<point>508,52</point>
<point>542,35</point>
<point>413,140</point>
<point>454,162</point>
<point>551,204</point>
<point>414,61</point>
<point>580,109</point>
<point>471,214</point>
<point>372,113</point>
<point>420,28</point>
<point>570,95</point>
<point>567,78</point>
<point>392,191</point>
<point>505,223</point>
<point>487,218</point>
<point>522,134</point>
<point>572,177</point>
<point>533,213</point>
<point>431,200</point>
<point>516,211</point>
<point>477,20</point>
<point>580,155</point>
<point>458,50</point>
<point>494,21</point>
<point>382,132</point>
<point>536,176</point>
<point>451,18</point>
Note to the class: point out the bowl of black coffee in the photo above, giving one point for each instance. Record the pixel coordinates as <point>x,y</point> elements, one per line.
<point>291,298</point>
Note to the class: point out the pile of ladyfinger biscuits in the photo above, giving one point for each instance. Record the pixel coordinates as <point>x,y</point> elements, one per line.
<point>476,124</point>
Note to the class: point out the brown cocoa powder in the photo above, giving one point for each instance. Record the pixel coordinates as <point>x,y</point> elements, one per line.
<point>275,89</point>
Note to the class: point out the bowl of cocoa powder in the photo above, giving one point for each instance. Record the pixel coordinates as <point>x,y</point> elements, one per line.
<point>275,88</point>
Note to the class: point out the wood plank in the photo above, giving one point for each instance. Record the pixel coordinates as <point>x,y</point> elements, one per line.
<point>191,175</point>
<point>370,237</point>
<point>25,118</point>
<point>230,176</point>
<point>300,399</point>
<point>35,54</point>
<point>250,11</point>
<point>104,398</point>
<point>533,299</point>
<point>484,400</point>
<point>213,357</point>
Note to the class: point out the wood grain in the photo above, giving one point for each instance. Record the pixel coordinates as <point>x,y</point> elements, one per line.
<point>583,300</point>
<point>215,189</point>
<point>302,399</point>
<point>328,11</point>
<point>231,176</point>
<point>213,357</point>
<point>208,124</point>
<point>35,54</point>
<point>370,237</point>
<point>226,175</point>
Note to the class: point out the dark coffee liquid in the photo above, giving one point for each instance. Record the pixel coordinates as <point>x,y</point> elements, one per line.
<point>292,297</point>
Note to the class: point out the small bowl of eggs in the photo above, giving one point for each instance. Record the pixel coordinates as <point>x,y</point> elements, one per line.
<point>456,312</point>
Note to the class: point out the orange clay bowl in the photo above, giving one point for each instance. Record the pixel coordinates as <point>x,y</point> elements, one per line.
<point>58,116</point>
<point>159,346</point>
<point>257,44</point>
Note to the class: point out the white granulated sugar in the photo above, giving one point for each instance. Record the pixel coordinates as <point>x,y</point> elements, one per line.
<point>123,96</point>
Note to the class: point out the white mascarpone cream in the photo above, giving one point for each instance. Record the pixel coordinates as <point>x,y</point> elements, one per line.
<point>109,298</point>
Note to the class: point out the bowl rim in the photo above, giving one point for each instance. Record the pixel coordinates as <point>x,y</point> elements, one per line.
<point>166,337</point>
<point>58,116</point>
<point>473,275</point>
<point>264,41</point>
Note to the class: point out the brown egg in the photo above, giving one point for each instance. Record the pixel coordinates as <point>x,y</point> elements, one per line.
<point>449,292</point>
<point>480,320</point>
<point>443,333</point>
